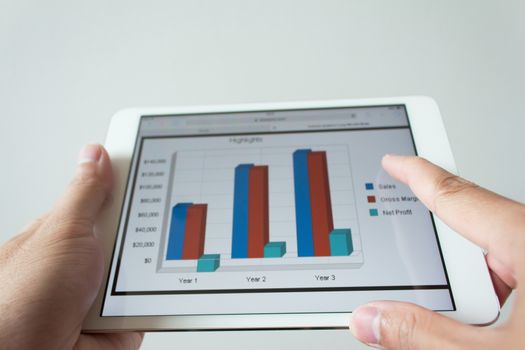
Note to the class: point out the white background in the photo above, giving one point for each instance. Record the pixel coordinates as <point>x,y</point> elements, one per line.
<point>67,66</point>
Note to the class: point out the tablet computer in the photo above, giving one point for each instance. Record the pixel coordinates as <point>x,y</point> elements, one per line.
<point>277,216</point>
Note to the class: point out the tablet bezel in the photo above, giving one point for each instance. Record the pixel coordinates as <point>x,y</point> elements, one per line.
<point>470,282</point>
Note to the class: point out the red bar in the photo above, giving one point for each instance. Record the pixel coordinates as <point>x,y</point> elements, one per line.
<point>258,212</point>
<point>194,231</point>
<point>320,202</point>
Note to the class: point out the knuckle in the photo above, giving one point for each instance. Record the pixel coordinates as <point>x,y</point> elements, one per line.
<point>11,249</point>
<point>35,224</point>
<point>405,331</point>
<point>450,185</point>
<point>91,180</point>
<point>87,179</point>
<point>418,161</point>
<point>63,226</point>
<point>401,331</point>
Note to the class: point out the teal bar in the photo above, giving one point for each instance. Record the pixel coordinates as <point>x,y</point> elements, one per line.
<point>341,242</point>
<point>274,249</point>
<point>208,262</point>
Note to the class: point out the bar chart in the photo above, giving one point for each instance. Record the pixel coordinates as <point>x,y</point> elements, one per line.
<point>281,208</point>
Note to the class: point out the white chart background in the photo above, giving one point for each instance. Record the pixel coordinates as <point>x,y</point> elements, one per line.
<point>207,176</point>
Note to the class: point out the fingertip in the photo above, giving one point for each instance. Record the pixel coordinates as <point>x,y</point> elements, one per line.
<point>105,168</point>
<point>93,162</point>
<point>90,187</point>
<point>90,153</point>
<point>364,324</point>
<point>392,163</point>
<point>391,158</point>
<point>387,159</point>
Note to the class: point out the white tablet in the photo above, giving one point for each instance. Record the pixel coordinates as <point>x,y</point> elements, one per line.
<point>277,216</point>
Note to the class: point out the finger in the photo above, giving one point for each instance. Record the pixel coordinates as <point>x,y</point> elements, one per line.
<point>487,219</point>
<point>88,191</point>
<point>501,288</point>
<point>128,341</point>
<point>396,325</point>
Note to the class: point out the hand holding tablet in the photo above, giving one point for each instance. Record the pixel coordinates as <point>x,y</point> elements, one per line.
<point>472,301</point>
<point>465,207</point>
<point>52,270</point>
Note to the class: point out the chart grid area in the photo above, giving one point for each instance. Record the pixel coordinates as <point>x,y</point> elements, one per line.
<point>266,208</point>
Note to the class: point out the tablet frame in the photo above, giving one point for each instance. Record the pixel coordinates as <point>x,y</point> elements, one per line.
<point>470,283</point>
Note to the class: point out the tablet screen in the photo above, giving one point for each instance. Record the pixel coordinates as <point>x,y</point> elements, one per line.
<point>283,211</point>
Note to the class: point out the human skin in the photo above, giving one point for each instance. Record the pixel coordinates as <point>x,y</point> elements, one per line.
<point>494,223</point>
<point>52,270</point>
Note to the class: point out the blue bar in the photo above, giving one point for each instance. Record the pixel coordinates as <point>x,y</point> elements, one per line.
<point>240,211</point>
<point>208,262</point>
<point>341,242</point>
<point>303,214</point>
<point>177,227</point>
<point>274,249</point>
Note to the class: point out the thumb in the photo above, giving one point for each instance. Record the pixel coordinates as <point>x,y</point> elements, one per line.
<point>397,325</point>
<point>87,192</point>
